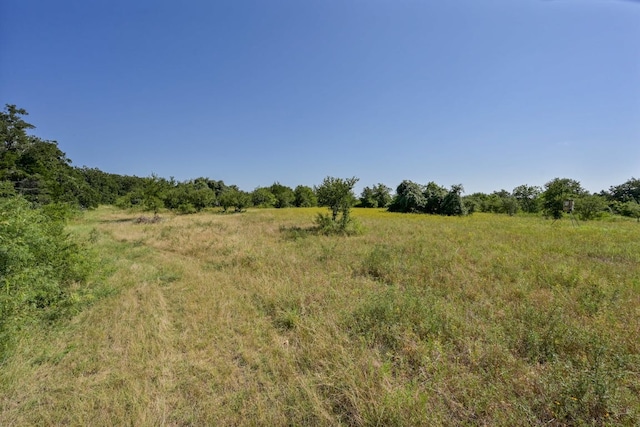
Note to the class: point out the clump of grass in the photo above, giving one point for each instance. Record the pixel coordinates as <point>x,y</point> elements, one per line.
<point>346,225</point>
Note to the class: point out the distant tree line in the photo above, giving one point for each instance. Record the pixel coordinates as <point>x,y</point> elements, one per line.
<point>40,172</point>
<point>623,199</point>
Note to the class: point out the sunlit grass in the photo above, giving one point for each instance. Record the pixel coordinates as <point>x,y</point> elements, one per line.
<point>253,319</point>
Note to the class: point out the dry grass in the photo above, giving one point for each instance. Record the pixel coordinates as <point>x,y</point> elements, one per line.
<point>251,319</point>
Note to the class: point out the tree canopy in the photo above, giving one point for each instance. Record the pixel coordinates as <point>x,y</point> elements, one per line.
<point>556,192</point>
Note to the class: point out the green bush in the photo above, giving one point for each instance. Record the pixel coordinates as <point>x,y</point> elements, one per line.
<point>346,225</point>
<point>38,264</point>
<point>337,195</point>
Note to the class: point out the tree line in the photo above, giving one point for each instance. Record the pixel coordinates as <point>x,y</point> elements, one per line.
<point>623,199</point>
<point>41,173</point>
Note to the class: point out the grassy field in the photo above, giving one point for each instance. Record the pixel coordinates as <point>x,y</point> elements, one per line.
<point>251,319</point>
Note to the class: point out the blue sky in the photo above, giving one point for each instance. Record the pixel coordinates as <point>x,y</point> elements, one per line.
<point>488,93</point>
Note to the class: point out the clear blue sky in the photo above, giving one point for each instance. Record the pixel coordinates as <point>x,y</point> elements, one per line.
<point>487,93</point>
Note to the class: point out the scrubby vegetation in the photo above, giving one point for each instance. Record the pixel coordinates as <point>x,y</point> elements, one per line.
<point>41,267</point>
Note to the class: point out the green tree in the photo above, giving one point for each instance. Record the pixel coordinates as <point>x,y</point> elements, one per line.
<point>13,139</point>
<point>218,187</point>
<point>305,197</point>
<point>590,206</point>
<point>337,195</point>
<point>476,202</point>
<point>434,196</point>
<point>527,197</point>
<point>263,197</point>
<point>452,203</point>
<point>632,209</point>
<point>378,196</point>
<point>629,191</point>
<point>367,198</point>
<point>233,197</point>
<point>382,195</point>
<point>37,168</point>
<point>187,197</point>
<point>242,201</point>
<point>106,186</point>
<point>284,195</point>
<point>227,199</point>
<point>556,192</point>
<point>409,198</point>
<point>153,193</point>
<point>502,202</point>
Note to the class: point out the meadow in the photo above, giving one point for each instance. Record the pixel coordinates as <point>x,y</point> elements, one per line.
<point>255,319</point>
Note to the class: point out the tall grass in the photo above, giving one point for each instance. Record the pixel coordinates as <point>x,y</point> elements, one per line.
<point>251,319</point>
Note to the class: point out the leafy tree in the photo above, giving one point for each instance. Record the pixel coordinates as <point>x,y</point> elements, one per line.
<point>476,202</point>
<point>527,197</point>
<point>452,203</point>
<point>218,187</point>
<point>409,198</point>
<point>337,195</point>
<point>38,169</point>
<point>263,197</point>
<point>305,197</point>
<point>502,202</point>
<point>153,193</point>
<point>632,209</point>
<point>435,196</point>
<point>13,139</point>
<point>556,192</point>
<point>367,198</point>
<point>188,197</point>
<point>431,198</point>
<point>132,199</point>
<point>629,191</point>
<point>236,198</point>
<point>227,199</point>
<point>201,196</point>
<point>284,195</point>
<point>106,186</point>
<point>242,201</point>
<point>382,195</point>
<point>590,206</point>
<point>378,196</point>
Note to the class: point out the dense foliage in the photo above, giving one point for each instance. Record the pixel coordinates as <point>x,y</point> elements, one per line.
<point>378,196</point>
<point>430,198</point>
<point>337,195</point>
<point>39,263</point>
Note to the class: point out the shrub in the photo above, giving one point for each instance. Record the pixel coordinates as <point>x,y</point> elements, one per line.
<point>590,207</point>
<point>38,263</point>
<point>337,195</point>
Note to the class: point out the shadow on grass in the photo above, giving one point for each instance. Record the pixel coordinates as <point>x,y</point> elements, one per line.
<point>116,221</point>
<point>137,220</point>
<point>297,233</point>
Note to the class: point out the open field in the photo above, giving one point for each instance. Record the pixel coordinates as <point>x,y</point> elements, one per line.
<point>250,319</point>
